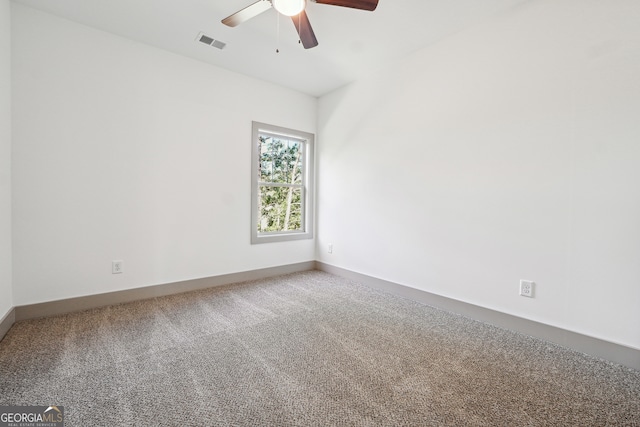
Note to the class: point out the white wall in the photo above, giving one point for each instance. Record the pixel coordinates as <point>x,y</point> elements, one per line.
<point>6,297</point>
<point>509,151</point>
<point>123,151</point>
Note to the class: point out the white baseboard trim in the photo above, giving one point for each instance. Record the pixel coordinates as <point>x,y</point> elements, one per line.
<point>52,308</point>
<point>7,322</point>
<point>585,344</point>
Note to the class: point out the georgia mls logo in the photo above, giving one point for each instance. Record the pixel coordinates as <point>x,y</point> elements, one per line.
<point>31,416</point>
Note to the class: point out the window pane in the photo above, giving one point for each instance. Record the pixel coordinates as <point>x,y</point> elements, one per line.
<point>280,160</point>
<point>280,209</point>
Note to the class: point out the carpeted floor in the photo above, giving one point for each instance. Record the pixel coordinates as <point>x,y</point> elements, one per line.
<point>308,349</point>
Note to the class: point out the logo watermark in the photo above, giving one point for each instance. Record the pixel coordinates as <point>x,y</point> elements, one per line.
<point>31,416</point>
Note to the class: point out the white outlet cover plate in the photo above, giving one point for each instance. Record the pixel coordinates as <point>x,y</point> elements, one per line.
<point>526,288</point>
<point>117,267</point>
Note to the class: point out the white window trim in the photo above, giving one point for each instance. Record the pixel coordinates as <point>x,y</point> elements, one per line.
<point>308,182</point>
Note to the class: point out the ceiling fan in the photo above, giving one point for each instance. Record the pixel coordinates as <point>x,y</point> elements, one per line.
<point>296,10</point>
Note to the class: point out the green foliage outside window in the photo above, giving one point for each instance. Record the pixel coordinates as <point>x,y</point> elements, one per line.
<point>281,185</point>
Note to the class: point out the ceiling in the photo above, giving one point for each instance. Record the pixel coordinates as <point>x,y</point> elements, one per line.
<point>351,42</point>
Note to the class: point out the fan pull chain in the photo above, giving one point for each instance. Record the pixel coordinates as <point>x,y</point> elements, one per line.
<point>278,33</point>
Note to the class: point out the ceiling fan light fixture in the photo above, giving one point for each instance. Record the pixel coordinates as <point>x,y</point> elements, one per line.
<point>289,7</point>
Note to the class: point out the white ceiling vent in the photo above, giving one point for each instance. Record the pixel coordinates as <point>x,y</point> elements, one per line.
<point>203,38</point>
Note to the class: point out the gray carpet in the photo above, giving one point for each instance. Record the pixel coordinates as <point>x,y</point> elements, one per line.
<point>308,349</point>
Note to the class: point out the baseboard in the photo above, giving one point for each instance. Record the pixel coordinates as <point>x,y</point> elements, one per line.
<point>585,344</point>
<point>593,346</point>
<point>52,308</point>
<point>7,322</point>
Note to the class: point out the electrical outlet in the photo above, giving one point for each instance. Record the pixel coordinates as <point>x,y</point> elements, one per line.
<point>526,288</point>
<point>330,248</point>
<point>117,267</point>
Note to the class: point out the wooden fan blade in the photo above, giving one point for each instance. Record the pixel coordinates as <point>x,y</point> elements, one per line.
<point>247,13</point>
<point>355,4</point>
<point>303,26</point>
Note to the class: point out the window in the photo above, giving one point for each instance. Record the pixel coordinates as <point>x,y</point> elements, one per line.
<point>282,184</point>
